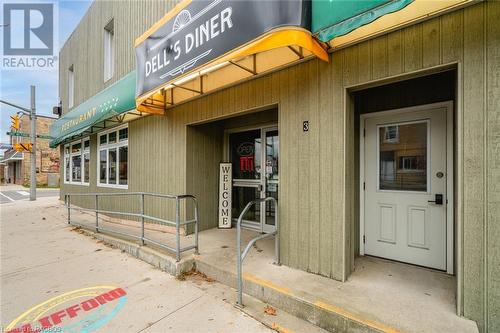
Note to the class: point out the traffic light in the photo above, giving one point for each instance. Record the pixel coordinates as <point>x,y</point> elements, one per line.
<point>22,146</point>
<point>14,122</point>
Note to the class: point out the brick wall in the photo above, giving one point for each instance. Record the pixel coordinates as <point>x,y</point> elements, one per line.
<point>47,159</point>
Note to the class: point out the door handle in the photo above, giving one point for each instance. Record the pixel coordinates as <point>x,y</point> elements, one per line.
<point>438,199</point>
<point>260,188</point>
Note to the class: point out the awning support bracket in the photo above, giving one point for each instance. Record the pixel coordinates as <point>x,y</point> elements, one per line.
<point>251,71</point>
<point>164,94</point>
<point>188,89</point>
<point>299,53</point>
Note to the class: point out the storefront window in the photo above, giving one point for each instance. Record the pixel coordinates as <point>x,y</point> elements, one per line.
<point>86,167</point>
<point>112,137</point>
<point>74,168</point>
<point>123,134</point>
<point>67,169</point>
<point>112,166</point>
<point>102,166</point>
<point>113,158</point>
<point>123,165</point>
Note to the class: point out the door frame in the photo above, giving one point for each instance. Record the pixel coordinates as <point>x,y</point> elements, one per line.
<point>449,174</point>
<point>265,127</point>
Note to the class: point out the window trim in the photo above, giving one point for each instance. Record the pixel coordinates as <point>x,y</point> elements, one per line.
<point>106,147</point>
<point>70,156</point>
<point>71,87</point>
<point>109,50</point>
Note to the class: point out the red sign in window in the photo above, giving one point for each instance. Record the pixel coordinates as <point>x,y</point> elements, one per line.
<point>246,163</point>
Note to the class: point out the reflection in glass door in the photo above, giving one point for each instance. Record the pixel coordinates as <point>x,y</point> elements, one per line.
<point>271,179</point>
<point>255,175</point>
<point>245,155</point>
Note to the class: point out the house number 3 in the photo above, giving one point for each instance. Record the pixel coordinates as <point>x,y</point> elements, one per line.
<point>305,126</point>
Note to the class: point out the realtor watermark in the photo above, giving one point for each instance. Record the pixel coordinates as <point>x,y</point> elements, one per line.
<point>29,36</point>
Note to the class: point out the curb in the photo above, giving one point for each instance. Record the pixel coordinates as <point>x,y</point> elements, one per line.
<point>145,253</point>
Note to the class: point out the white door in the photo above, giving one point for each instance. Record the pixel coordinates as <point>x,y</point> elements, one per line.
<point>405,186</point>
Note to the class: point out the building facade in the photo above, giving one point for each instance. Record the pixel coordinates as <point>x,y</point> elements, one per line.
<point>402,125</point>
<point>17,164</point>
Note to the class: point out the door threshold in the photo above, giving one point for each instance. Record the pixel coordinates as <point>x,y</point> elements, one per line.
<point>369,256</point>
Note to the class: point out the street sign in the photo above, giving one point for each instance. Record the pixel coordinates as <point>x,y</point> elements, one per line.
<point>24,135</point>
<point>27,135</point>
<point>23,147</point>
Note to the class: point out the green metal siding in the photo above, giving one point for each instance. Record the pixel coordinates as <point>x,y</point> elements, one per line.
<point>316,181</point>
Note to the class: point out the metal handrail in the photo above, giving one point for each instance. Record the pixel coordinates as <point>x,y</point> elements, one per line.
<point>241,255</point>
<point>177,223</point>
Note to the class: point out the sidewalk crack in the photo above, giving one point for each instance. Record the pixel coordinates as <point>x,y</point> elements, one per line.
<point>170,313</point>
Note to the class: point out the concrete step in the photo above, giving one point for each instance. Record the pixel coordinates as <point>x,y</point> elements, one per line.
<point>323,315</point>
<point>282,321</point>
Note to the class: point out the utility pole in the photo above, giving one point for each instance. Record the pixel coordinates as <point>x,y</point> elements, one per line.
<point>33,146</point>
<point>32,114</point>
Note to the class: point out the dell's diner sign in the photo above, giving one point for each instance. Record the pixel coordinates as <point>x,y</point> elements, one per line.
<point>205,30</point>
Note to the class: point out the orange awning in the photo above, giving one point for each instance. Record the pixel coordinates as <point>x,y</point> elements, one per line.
<point>169,41</point>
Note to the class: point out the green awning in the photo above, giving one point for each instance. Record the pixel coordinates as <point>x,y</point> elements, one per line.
<point>116,99</point>
<point>333,18</point>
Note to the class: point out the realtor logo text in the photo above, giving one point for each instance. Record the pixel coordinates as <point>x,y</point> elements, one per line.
<point>29,36</point>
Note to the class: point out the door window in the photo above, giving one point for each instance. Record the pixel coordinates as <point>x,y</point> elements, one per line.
<point>403,156</point>
<point>242,195</point>
<point>246,154</point>
<point>272,174</point>
<point>272,144</point>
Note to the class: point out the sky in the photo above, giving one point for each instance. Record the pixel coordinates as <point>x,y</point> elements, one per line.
<point>15,84</point>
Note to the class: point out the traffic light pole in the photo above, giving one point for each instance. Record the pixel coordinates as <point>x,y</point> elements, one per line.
<point>32,113</point>
<point>33,146</point>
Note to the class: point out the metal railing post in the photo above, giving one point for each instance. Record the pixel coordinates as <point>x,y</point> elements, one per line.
<point>238,261</point>
<point>68,202</point>
<point>241,255</point>
<point>96,213</point>
<point>142,218</point>
<point>177,231</point>
<point>196,226</point>
<point>276,235</point>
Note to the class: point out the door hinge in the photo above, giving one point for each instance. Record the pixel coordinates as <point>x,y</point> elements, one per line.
<point>364,132</point>
<point>364,186</point>
<point>364,239</point>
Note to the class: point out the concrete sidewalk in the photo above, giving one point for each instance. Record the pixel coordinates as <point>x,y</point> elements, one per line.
<point>42,258</point>
<point>380,296</point>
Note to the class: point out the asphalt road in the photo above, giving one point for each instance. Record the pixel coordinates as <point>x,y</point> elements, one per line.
<point>53,277</point>
<point>16,195</point>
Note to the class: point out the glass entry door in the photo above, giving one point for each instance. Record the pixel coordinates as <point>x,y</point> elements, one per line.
<point>254,155</point>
